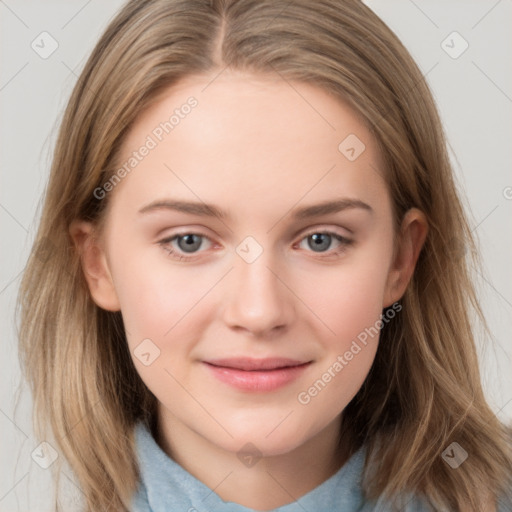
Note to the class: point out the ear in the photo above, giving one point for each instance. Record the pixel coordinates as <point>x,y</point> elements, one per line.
<point>410,240</point>
<point>94,265</point>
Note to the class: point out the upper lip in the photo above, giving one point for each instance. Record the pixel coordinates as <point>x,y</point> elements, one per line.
<point>250,364</point>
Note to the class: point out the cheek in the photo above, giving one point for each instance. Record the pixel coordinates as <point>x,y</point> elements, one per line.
<point>165,309</point>
<point>353,312</point>
<point>347,299</point>
<point>156,295</point>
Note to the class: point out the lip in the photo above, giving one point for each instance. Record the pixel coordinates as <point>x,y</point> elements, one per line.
<point>257,375</point>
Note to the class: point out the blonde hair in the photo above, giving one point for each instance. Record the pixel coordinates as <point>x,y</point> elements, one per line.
<point>423,391</point>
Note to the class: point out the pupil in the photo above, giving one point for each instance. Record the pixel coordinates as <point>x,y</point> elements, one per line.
<point>192,242</point>
<point>321,241</point>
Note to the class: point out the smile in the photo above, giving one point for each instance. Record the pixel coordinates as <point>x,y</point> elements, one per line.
<point>257,375</point>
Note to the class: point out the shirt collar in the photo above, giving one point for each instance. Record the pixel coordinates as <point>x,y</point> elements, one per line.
<point>164,483</point>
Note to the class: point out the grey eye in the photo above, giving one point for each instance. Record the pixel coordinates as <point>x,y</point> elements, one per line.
<point>319,241</point>
<point>189,243</point>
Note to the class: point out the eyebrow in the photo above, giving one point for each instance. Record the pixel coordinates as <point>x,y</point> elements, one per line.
<point>210,210</point>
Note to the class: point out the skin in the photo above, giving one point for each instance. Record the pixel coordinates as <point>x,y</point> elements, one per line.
<point>259,149</point>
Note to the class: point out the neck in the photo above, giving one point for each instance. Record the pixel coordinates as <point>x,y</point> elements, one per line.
<point>259,483</point>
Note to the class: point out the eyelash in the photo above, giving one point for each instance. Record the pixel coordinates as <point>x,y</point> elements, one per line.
<point>173,253</point>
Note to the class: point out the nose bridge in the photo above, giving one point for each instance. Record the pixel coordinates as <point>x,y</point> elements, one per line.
<point>257,300</point>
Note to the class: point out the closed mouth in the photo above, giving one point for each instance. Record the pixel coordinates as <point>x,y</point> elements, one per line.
<point>255,365</point>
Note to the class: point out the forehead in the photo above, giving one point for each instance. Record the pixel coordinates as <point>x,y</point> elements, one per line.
<point>251,142</point>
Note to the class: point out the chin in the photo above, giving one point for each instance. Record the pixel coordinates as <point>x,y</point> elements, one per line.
<point>264,439</point>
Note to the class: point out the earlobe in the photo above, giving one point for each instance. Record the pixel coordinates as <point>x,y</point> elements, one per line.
<point>94,265</point>
<point>411,238</point>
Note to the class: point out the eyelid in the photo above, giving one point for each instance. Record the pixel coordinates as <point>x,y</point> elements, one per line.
<point>304,232</point>
<point>343,241</point>
<point>176,254</point>
<point>170,238</point>
<point>324,229</point>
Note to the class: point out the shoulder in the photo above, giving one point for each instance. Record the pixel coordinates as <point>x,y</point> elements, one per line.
<point>415,503</point>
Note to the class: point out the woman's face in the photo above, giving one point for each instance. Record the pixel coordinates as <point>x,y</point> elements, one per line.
<point>250,250</point>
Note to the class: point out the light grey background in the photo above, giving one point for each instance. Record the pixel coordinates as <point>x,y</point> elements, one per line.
<point>474,95</point>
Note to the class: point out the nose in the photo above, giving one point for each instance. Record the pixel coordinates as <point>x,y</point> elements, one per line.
<point>257,300</point>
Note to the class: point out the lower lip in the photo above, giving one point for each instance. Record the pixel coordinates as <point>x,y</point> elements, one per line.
<point>257,381</point>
